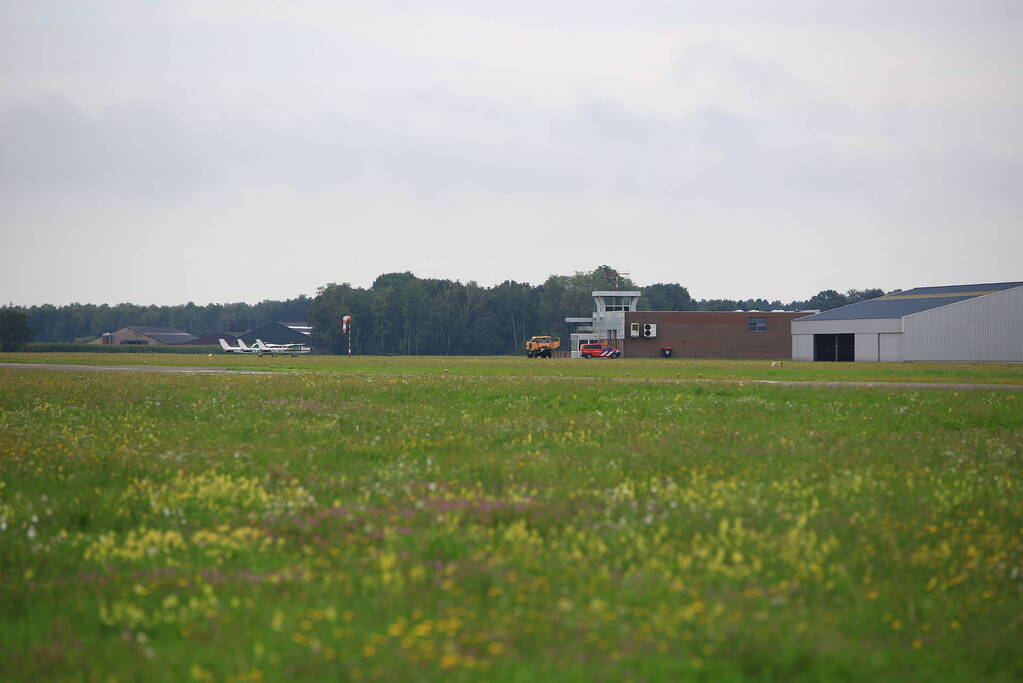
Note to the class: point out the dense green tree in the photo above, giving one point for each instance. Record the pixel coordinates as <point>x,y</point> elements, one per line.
<point>508,319</point>
<point>829,298</point>
<point>718,305</point>
<point>15,330</point>
<point>856,295</point>
<point>666,297</point>
<point>331,302</point>
<point>826,300</point>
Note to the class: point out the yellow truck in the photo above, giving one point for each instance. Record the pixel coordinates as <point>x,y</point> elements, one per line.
<point>542,347</point>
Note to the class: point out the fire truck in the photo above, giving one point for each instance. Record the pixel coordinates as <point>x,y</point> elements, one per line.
<point>599,351</point>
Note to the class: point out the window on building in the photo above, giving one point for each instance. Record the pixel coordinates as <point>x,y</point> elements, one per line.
<point>756,324</point>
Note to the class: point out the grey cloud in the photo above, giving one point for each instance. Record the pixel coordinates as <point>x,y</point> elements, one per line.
<point>906,13</point>
<point>600,118</point>
<point>435,142</point>
<point>721,130</point>
<point>713,153</point>
<point>49,145</point>
<point>718,61</point>
<point>52,146</point>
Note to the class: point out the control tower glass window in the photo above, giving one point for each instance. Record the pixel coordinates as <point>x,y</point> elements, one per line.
<point>616,303</point>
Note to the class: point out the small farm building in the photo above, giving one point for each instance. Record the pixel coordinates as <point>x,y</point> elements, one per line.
<point>980,322</point>
<point>145,336</point>
<point>279,333</point>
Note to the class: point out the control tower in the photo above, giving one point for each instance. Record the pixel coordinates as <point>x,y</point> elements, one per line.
<point>607,323</point>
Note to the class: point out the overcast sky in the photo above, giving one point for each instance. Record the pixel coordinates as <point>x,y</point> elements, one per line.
<point>162,152</point>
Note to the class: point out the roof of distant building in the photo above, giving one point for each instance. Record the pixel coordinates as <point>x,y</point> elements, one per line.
<point>304,328</point>
<point>164,335</point>
<point>212,338</point>
<point>900,304</point>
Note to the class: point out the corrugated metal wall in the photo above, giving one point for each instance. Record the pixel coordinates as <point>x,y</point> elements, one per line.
<point>889,347</point>
<point>987,328</point>
<point>866,347</point>
<point>802,347</point>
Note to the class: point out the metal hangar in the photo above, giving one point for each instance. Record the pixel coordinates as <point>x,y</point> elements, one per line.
<point>978,322</point>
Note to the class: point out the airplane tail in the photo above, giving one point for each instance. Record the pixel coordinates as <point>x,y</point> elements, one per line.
<point>260,345</point>
<point>242,345</point>
<point>224,345</point>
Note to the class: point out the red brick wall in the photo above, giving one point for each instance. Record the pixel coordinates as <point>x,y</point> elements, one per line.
<point>710,334</point>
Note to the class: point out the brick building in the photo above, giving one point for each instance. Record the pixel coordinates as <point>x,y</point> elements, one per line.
<point>710,334</point>
<point>689,334</point>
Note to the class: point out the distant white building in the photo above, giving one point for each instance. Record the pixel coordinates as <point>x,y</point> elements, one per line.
<point>980,322</point>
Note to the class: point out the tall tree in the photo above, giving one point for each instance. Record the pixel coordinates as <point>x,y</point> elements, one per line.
<point>15,331</point>
<point>826,300</point>
<point>856,295</point>
<point>666,297</point>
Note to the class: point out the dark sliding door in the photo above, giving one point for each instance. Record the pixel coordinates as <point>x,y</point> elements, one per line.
<point>834,347</point>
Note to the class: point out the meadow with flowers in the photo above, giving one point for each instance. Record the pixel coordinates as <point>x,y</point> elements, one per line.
<point>442,519</point>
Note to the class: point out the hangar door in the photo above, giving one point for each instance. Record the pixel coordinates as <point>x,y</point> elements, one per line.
<point>834,347</point>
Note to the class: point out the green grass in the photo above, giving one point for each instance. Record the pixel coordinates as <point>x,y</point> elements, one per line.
<point>383,519</point>
<point>519,366</point>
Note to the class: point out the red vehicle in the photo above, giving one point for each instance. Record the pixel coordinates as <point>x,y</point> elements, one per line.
<point>599,351</point>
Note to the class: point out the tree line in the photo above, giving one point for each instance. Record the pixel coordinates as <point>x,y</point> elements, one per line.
<point>85,322</point>
<point>404,314</point>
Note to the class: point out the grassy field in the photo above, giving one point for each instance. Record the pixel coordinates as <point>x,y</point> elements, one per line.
<point>482,519</point>
<point>518,366</point>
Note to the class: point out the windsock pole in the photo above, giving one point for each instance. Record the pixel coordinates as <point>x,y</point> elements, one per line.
<point>346,329</point>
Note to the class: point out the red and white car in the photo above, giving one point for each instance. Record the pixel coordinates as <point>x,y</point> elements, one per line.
<point>599,351</point>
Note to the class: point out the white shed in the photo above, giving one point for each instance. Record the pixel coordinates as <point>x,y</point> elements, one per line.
<point>981,322</point>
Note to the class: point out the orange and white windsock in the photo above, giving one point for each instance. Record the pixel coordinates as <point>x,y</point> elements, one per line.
<point>346,320</point>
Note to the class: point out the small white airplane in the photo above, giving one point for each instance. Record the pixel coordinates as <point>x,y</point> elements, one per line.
<point>279,349</point>
<point>241,348</point>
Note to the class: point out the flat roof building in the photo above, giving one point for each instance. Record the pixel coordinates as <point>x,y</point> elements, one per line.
<point>683,334</point>
<point>710,334</point>
<point>974,322</point>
